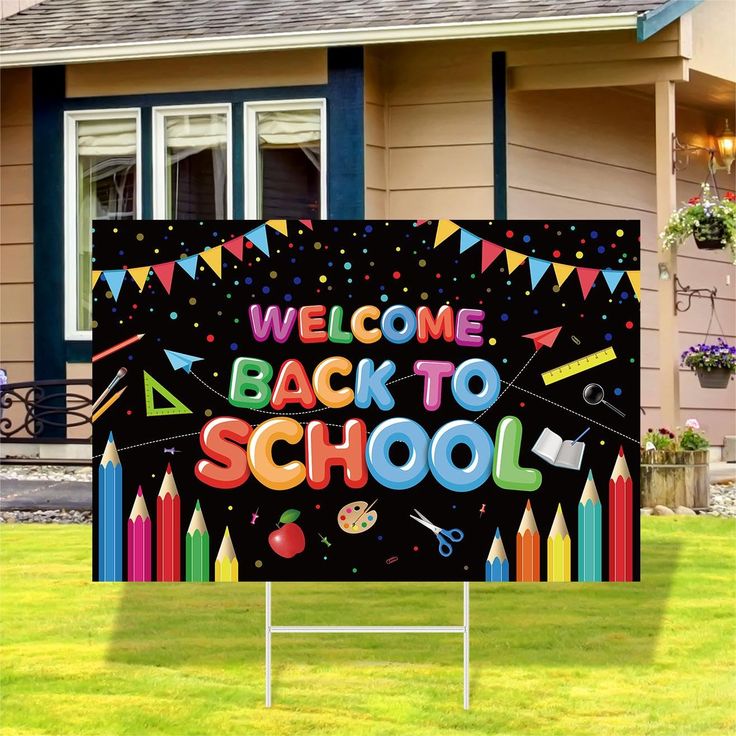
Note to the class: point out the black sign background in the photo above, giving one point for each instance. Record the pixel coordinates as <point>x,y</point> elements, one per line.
<point>396,260</point>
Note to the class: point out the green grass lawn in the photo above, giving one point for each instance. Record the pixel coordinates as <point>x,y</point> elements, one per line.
<point>651,658</point>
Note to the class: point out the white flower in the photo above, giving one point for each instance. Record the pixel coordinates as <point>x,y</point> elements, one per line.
<point>692,423</point>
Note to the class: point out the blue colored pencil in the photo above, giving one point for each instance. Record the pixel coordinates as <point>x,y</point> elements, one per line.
<point>589,534</point>
<point>497,564</point>
<point>110,515</point>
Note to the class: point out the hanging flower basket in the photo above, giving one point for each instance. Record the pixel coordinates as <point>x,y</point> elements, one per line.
<point>711,237</point>
<point>713,363</point>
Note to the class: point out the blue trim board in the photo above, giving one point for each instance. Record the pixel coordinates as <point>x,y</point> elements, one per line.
<point>500,143</point>
<point>238,157</point>
<point>146,162</point>
<point>649,23</point>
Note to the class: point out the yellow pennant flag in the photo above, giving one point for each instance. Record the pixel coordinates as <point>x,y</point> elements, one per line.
<point>514,259</point>
<point>279,225</point>
<point>139,275</point>
<point>445,228</point>
<point>562,272</point>
<point>635,279</point>
<point>95,277</point>
<point>213,258</point>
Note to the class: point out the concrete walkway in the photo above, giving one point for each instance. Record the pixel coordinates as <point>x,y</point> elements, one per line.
<point>31,495</point>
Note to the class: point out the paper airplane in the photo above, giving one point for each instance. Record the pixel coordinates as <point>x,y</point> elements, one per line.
<point>181,360</point>
<point>544,337</point>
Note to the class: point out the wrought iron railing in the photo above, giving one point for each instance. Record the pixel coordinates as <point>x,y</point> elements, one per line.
<point>45,411</point>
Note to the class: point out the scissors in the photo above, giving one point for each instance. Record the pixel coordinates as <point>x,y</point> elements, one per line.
<point>454,535</point>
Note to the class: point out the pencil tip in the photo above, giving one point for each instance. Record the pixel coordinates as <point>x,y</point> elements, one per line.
<point>168,468</point>
<point>590,474</point>
<point>621,451</point>
<point>110,438</point>
<point>528,505</point>
<point>140,490</point>
<point>197,506</point>
<point>498,533</point>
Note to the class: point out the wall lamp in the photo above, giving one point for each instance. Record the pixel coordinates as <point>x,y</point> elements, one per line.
<point>725,149</point>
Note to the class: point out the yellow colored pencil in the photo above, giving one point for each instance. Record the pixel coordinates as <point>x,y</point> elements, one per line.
<point>226,563</point>
<point>108,404</point>
<point>558,550</point>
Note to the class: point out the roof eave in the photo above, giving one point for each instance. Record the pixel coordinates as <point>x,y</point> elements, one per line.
<point>317,39</point>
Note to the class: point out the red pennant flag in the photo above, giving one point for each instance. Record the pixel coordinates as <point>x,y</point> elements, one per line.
<point>421,222</point>
<point>586,276</point>
<point>307,223</point>
<point>489,253</point>
<point>165,273</point>
<point>235,246</point>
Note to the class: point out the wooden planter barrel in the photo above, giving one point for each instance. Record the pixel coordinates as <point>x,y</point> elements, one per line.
<point>675,478</point>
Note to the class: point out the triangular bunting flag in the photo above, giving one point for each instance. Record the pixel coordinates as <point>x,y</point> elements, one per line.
<point>612,278</point>
<point>537,269</point>
<point>189,265</point>
<point>635,279</point>
<point>279,225</point>
<point>151,384</point>
<point>95,277</point>
<point>489,253</point>
<point>165,273</point>
<point>586,276</point>
<point>445,228</point>
<point>514,259</point>
<point>139,275</point>
<point>467,240</point>
<point>235,246</point>
<point>259,239</point>
<point>115,281</point>
<point>562,272</point>
<point>213,258</point>
<point>421,222</point>
<point>307,223</point>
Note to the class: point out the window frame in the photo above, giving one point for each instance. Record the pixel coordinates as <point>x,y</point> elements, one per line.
<point>159,114</point>
<point>71,190</point>
<point>250,138</point>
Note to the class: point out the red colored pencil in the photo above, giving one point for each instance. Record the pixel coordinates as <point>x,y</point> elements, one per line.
<point>527,548</point>
<point>620,520</point>
<point>115,348</point>
<point>139,541</point>
<point>168,543</point>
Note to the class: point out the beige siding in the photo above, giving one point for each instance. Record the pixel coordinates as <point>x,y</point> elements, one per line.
<point>375,122</point>
<point>16,225</point>
<point>188,74</point>
<point>713,24</point>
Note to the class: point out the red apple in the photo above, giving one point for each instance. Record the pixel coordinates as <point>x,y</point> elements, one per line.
<point>287,540</point>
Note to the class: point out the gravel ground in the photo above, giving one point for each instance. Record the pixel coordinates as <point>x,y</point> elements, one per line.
<point>722,499</point>
<point>51,473</point>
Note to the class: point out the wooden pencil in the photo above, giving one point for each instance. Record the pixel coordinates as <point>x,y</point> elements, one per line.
<point>590,544</point>
<point>197,548</point>
<point>558,550</point>
<point>168,543</point>
<point>96,415</point>
<point>109,518</point>
<point>226,563</point>
<point>527,548</point>
<point>620,521</point>
<point>115,348</point>
<point>497,564</point>
<point>139,541</point>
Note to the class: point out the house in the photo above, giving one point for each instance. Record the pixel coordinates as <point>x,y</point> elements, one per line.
<point>413,108</point>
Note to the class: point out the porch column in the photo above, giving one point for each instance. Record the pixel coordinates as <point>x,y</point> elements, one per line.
<point>669,375</point>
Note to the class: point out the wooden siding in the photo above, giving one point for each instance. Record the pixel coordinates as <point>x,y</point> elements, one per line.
<point>16,225</point>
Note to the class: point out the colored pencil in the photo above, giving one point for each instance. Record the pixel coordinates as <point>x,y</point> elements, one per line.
<point>139,541</point>
<point>527,548</point>
<point>108,404</point>
<point>115,348</point>
<point>197,548</point>
<point>118,377</point>
<point>168,543</point>
<point>558,550</point>
<point>226,563</point>
<point>620,520</point>
<point>110,515</point>
<point>497,564</point>
<point>589,534</point>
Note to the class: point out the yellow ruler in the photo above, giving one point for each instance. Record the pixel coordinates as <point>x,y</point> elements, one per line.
<point>578,366</point>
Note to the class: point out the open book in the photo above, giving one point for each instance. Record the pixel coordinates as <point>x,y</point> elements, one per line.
<point>560,453</point>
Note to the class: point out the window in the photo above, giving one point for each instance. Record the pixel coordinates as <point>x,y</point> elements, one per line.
<point>102,172</point>
<point>285,153</point>
<point>192,163</point>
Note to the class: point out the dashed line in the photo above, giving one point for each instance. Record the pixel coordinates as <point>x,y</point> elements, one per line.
<point>508,386</point>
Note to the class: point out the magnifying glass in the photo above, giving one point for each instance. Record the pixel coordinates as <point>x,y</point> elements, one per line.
<point>593,395</point>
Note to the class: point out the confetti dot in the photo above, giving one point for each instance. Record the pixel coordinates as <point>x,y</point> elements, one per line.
<point>603,442</point>
<point>522,404</point>
<point>619,233</point>
<point>173,315</point>
<point>608,336</point>
<point>579,254</point>
<point>273,274</point>
<point>504,317</point>
<point>509,233</point>
<point>229,508</point>
<point>492,341</point>
<point>317,506</point>
<point>556,253</point>
<point>355,569</point>
<point>317,246</point>
<point>415,548</point>
<point>233,346</point>
<point>322,279</point>
<point>258,563</point>
<point>422,263</point>
<point>629,325</point>
<point>192,301</point>
<point>617,391</point>
<point>210,338</point>
<point>139,236</point>
<point>424,295</point>
<point>208,412</point>
<point>396,275</point>
<point>347,265</point>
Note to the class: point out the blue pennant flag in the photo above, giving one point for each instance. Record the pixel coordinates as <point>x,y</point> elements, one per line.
<point>189,265</point>
<point>259,239</point>
<point>467,240</point>
<point>612,278</point>
<point>537,269</point>
<point>114,281</point>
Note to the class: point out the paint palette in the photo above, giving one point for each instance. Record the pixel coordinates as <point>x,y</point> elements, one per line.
<point>357,517</point>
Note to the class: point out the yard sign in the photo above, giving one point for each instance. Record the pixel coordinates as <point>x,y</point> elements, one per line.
<point>336,400</point>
